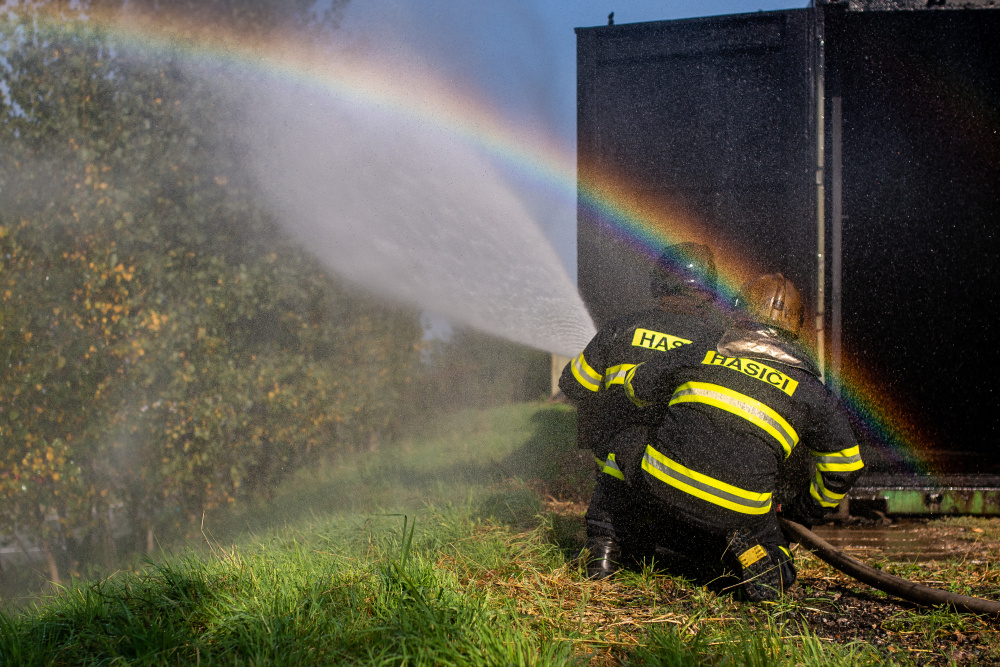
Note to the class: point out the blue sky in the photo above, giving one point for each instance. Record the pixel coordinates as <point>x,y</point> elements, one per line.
<point>520,55</point>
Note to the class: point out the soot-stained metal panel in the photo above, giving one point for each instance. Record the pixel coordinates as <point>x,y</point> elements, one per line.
<point>910,5</point>
<point>716,118</point>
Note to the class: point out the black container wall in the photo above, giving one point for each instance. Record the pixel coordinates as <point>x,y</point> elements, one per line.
<point>921,180</point>
<point>711,118</point>
<point>717,117</point>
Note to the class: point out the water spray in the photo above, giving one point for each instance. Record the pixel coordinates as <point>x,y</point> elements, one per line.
<point>408,207</point>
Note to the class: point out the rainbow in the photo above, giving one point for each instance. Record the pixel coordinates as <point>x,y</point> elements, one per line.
<point>405,89</point>
<point>647,228</point>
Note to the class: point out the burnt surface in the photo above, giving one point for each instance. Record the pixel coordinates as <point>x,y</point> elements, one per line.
<point>910,5</point>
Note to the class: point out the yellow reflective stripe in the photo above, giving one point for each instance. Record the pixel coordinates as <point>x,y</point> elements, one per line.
<point>611,467</point>
<point>630,391</point>
<point>740,405</point>
<point>704,487</point>
<point>824,496</point>
<point>584,374</point>
<point>616,374</point>
<point>785,551</point>
<point>843,461</point>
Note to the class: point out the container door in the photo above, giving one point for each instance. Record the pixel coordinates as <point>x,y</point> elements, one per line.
<point>704,126</point>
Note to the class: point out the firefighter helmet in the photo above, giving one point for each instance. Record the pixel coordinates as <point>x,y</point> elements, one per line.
<point>772,300</point>
<point>683,267</point>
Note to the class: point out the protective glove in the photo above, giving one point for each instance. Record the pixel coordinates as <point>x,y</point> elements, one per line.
<point>803,510</point>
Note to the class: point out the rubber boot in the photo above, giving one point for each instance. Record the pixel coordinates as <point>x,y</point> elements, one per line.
<point>757,570</point>
<point>604,557</point>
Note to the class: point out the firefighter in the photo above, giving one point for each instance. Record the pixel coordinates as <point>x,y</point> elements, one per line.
<point>687,314</point>
<point>734,411</point>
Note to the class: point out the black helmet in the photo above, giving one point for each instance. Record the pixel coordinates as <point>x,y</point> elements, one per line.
<point>683,267</point>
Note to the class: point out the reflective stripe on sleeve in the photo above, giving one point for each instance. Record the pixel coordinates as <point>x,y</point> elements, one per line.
<point>584,374</point>
<point>630,390</point>
<point>824,496</point>
<point>740,405</point>
<point>611,467</point>
<point>845,460</point>
<point>702,486</point>
<point>616,374</point>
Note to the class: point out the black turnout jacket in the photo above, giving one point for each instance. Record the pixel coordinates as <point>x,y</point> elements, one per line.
<point>594,379</point>
<point>730,413</point>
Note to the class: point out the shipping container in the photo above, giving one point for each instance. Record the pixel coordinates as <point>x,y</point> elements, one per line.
<point>854,147</point>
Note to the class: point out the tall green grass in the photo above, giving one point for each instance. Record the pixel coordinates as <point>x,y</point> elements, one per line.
<point>456,458</point>
<point>378,590</point>
<point>366,591</point>
<point>444,550</point>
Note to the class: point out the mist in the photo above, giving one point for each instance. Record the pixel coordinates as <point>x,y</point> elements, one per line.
<point>408,210</point>
<point>216,276</point>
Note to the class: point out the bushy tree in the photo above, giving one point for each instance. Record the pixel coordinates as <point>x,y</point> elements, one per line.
<point>475,369</point>
<point>166,349</point>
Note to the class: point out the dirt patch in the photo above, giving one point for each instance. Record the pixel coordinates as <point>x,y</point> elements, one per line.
<point>957,554</point>
<point>837,607</point>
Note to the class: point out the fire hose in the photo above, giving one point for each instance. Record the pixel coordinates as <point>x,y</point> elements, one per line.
<point>888,583</point>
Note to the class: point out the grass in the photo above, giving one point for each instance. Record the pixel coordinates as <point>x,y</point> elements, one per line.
<point>457,547</point>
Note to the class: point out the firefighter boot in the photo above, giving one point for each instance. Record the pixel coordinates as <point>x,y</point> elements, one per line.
<point>759,573</point>
<point>604,557</point>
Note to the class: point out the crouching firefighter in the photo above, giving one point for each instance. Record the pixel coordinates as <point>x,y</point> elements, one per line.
<point>733,412</point>
<point>687,314</point>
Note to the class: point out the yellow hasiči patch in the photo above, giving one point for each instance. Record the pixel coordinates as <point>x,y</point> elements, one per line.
<point>655,340</point>
<point>754,369</point>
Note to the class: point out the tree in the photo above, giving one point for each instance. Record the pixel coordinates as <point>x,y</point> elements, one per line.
<point>475,369</point>
<point>168,349</point>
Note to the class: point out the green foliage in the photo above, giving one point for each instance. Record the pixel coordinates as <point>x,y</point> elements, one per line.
<point>475,369</point>
<point>249,18</point>
<point>166,350</point>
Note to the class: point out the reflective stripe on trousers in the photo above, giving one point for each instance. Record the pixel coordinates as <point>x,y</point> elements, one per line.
<point>702,486</point>
<point>610,466</point>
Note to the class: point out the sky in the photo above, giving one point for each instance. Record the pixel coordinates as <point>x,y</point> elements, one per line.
<point>520,56</point>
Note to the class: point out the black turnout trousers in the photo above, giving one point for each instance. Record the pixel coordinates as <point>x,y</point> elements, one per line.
<point>651,533</point>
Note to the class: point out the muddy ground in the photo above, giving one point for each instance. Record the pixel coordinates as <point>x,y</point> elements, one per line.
<point>959,554</point>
